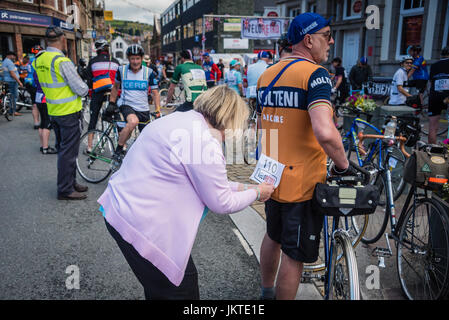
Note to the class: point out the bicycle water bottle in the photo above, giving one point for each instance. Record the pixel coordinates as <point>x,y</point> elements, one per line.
<point>390,129</point>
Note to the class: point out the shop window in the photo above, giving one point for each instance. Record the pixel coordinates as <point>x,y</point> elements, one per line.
<point>293,12</point>
<point>209,24</point>
<point>353,9</point>
<point>199,26</point>
<point>410,25</point>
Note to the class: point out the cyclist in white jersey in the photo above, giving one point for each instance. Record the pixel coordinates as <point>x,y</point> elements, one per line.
<point>134,80</point>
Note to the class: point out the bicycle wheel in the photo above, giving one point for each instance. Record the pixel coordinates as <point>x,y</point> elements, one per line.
<point>97,165</point>
<point>396,163</point>
<point>163,101</point>
<point>423,251</point>
<point>355,227</point>
<point>378,220</point>
<point>343,276</point>
<point>5,108</point>
<point>442,125</point>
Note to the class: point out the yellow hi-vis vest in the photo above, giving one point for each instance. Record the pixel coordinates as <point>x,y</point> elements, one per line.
<point>61,100</point>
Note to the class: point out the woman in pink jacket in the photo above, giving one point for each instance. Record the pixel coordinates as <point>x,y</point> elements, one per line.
<point>170,177</point>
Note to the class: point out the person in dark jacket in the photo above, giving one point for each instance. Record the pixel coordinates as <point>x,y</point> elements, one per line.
<point>360,74</point>
<point>100,74</point>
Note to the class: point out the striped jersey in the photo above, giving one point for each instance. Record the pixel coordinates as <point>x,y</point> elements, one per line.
<point>193,78</point>
<point>287,130</point>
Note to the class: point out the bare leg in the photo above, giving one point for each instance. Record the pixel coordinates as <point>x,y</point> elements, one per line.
<point>433,128</point>
<point>45,137</point>
<point>270,252</point>
<point>289,278</point>
<point>131,123</point>
<point>35,113</point>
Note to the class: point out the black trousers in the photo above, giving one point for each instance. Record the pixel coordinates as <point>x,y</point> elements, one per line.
<point>95,105</point>
<point>68,132</point>
<point>155,284</point>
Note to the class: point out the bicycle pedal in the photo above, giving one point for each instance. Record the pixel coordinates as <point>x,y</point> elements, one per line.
<point>381,252</point>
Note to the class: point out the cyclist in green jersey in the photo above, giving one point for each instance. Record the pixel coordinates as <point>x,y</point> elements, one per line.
<point>193,78</point>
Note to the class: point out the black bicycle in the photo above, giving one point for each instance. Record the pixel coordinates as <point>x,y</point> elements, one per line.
<point>5,100</point>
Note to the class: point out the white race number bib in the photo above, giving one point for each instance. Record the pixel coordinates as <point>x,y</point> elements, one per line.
<point>268,170</point>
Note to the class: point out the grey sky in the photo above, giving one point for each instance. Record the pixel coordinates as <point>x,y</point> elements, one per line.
<point>123,10</point>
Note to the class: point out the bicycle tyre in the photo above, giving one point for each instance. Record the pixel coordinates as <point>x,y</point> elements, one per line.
<point>95,164</point>
<point>8,116</point>
<point>355,240</point>
<point>373,233</point>
<point>343,272</point>
<point>436,259</point>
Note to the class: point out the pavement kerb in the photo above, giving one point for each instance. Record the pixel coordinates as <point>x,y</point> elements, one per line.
<point>253,227</point>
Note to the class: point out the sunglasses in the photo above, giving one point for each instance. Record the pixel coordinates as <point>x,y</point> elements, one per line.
<point>327,34</point>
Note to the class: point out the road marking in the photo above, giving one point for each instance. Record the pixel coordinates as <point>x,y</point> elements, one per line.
<point>243,242</point>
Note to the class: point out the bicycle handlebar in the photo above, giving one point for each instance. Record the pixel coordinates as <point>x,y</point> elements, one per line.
<point>362,137</point>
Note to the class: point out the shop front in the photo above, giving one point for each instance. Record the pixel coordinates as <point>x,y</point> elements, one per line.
<point>20,31</point>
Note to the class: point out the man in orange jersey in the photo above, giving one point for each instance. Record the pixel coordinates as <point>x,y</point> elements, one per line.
<point>296,108</point>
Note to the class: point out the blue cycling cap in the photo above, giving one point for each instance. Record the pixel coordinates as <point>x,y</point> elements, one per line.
<point>305,23</point>
<point>363,60</point>
<point>263,54</point>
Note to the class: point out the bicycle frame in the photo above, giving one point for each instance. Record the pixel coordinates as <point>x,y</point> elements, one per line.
<point>352,134</point>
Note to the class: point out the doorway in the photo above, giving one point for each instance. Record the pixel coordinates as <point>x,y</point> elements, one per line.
<point>351,40</point>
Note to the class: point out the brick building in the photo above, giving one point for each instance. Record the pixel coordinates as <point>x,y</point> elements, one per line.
<point>402,23</point>
<point>23,24</point>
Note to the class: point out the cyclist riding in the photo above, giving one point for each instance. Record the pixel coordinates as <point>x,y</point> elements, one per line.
<point>193,79</point>
<point>133,80</point>
<point>100,74</point>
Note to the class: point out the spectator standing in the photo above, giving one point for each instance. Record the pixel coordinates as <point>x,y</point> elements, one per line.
<point>63,89</point>
<point>213,73</point>
<point>40,102</point>
<point>255,70</point>
<point>221,66</point>
<point>31,75</point>
<point>341,84</point>
<point>439,91</point>
<point>12,79</point>
<point>233,78</point>
<point>169,67</point>
<point>360,74</point>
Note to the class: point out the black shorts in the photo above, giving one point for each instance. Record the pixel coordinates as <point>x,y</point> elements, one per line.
<point>436,104</point>
<point>296,227</point>
<point>143,116</point>
<point>45,119</point>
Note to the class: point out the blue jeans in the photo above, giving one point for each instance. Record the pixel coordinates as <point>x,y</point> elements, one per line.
<point>13,88</point>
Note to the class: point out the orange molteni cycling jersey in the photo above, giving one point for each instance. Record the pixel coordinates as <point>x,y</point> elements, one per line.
<point>303,86</point>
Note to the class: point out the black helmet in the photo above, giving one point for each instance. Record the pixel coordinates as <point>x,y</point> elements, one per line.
<point>53,32</point>
<point>101,44</point>
<point>135,50</point>
<point>82,62</point>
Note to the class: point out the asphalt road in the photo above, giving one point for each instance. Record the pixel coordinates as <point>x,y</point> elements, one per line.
<point>41,237</point>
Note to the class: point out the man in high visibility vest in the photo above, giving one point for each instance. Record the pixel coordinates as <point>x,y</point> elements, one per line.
<point>63,89</point>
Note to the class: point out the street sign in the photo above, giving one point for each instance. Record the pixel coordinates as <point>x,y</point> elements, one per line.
<point>108,15</point>
<point>262,28</point>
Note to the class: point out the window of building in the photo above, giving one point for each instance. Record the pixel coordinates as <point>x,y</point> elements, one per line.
<point>189,3</point>
<point>209,24</point>
<point>312,7</point>
<point>446,29</point>
<point>28,1</point>
<point>190,30</point>
<point>293,12</point>
<point>353,9</point>
<point>196,1</point>
<point>184,5</point>
<point>410,25</point>
<point>56,4</point>
<point>178,33</point>
<point>199,26</point>
<point>184,29</point>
